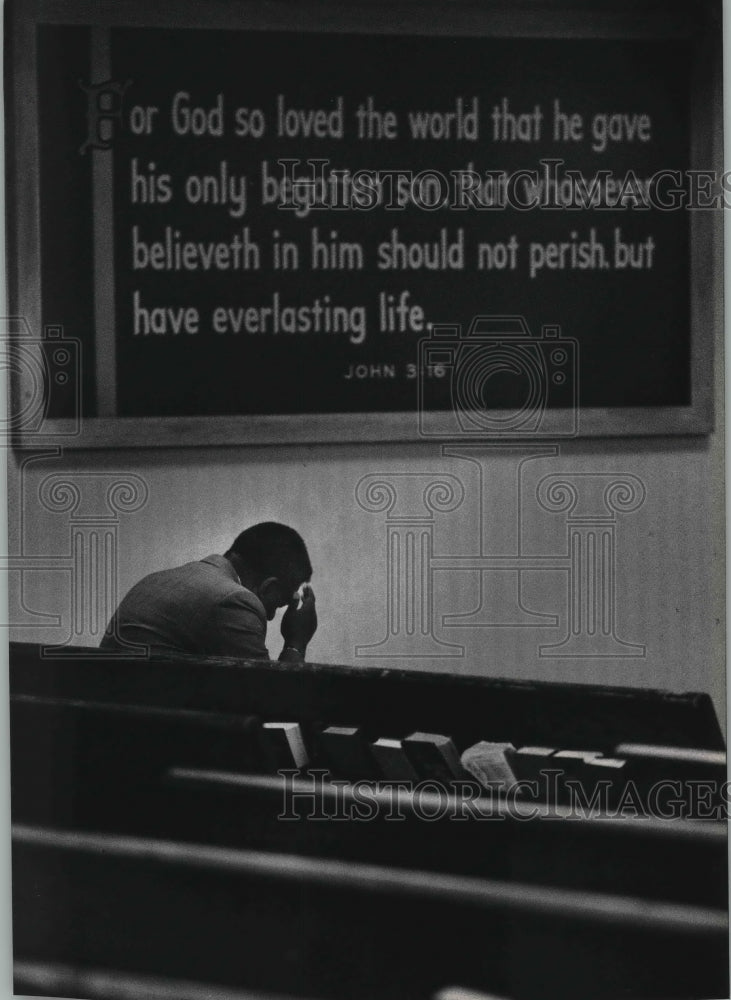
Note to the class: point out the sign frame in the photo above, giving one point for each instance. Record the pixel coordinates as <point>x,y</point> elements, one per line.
<point>543,20</point>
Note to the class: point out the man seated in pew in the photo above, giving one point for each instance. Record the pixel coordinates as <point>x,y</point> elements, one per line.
<point>220,605</point>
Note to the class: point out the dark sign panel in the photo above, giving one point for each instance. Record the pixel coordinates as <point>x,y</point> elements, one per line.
<point>462,235</point>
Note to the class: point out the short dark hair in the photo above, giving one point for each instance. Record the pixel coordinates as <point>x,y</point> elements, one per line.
<point>272,549</point>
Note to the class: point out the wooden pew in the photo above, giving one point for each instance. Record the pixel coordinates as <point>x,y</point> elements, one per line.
<point>660,859</point>
<point>92,766</point>
<point>391,704</point>
<point>99,767</point>
<point>89,764</point>
<point>386,703</point>
<point>95,765</point>
<point>94,738</point>
<point>53,980</point>
<point>648,763</point>
<point>318,927</point>
<point>66,750</point>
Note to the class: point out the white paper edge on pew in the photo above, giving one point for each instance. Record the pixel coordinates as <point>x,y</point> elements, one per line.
<point>388,743</point>
<point>585,755</point>
<point>611,762</point>
<point>404,770</point>
<point>293,735</point>
<point>341,731</point>
<point>460,993</point>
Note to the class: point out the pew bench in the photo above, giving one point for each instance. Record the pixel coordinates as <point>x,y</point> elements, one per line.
<point>320,927</point>
<point>149,846</point>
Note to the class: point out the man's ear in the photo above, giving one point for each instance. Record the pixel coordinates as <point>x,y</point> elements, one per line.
<point>271,587</point>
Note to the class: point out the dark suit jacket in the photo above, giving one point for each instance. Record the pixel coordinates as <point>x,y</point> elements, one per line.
<point>197,608</point>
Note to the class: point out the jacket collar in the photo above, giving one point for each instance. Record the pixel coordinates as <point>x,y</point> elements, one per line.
<point>222,563</point>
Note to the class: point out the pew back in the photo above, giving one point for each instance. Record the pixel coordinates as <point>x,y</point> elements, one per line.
<point>384,702</point>
<point>145,844</point>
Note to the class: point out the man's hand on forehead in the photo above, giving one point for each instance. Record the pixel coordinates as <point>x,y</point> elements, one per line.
<point>302,592</point>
